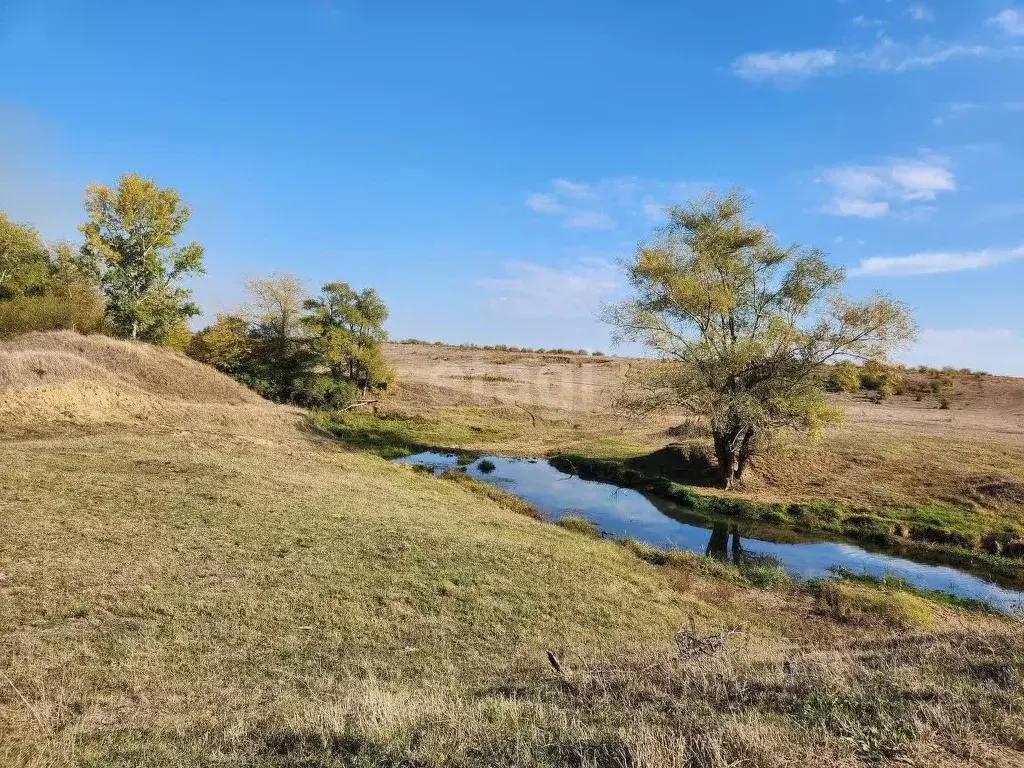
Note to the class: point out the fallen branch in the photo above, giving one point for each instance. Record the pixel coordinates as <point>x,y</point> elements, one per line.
<point>533,418</point>
<point>356,405</point>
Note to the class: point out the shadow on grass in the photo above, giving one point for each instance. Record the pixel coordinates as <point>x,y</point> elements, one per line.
<point>394,437</point>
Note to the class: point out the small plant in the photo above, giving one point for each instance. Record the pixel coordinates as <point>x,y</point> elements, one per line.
<point>578,524</point>
<point>486,466</point>
<point>944,404</point>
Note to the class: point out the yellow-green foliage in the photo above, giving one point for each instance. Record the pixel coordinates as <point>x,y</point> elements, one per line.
<point>844,377</point>
<point>82,312</point>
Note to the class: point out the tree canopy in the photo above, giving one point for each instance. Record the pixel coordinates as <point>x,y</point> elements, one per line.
<point>42,286</point>
<point>131,246</point>
<point>744,327</point>
<point>289,346</point>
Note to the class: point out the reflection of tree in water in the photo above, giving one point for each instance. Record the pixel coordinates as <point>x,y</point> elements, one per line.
<point>718,544</point>
<point>720,549</point>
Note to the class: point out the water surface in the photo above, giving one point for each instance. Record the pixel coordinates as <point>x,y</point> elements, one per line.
<point>625,512</point>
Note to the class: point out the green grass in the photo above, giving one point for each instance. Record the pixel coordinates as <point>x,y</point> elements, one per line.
<point>262,600</point>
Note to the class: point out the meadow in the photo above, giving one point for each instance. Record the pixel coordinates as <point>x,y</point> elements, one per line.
<point>194,576</point>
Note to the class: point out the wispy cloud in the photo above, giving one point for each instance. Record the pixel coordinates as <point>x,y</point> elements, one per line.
<point>937,262</point>
<point>920,12</point>
<point>783,66</point>
<point>867,22</point>
<point>1009,20</point>
<point>533,290</point>
<point>955,110</point>
<point>605,203</point>
<point>872,191</point>
<point>886,55</point>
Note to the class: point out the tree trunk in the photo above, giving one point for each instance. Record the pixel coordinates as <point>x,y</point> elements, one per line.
<point>746,451</point>
<point>733,449</point>
<point>727,453</point>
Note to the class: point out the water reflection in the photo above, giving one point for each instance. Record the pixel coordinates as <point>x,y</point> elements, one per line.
<point>625,512</point>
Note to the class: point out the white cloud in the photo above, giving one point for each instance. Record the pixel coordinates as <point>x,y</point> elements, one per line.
<point>937,262</point>
<point>605,203</point>
<point>887,55</point>
<point>867,22</point>
<point>996,350</point>
<point>590,220</point>
<point>538,290</point>
<point>542,203</point>
<point>920,12</point>
<point>865,209</point>
<point>785,65</point>
<point>1010,20</point>
<point>870,191</point>
<point>572,188</point>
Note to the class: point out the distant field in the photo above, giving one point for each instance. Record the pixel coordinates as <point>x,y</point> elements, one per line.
<point>901,451</point>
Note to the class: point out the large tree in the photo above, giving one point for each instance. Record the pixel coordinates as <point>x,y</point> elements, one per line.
<point>348,328</point>
<point>281,357</point>
<point>744,327</point>
<point>131,243</point>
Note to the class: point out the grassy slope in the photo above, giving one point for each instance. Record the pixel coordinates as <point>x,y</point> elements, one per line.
<point>179,600</point>
<point>252,596</point>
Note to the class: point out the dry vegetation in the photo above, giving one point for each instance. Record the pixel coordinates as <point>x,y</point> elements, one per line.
<point>211,585</point>
<point>902,451</point>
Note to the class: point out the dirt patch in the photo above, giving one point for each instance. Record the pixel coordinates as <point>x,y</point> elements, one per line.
<point>996,490</point>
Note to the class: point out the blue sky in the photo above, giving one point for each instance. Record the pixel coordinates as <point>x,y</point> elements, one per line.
<point>485,165</point>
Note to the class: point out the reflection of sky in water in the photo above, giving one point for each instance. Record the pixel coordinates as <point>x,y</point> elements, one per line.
<point>625,512</point>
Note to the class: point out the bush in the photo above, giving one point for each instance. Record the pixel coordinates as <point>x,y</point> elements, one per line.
<point>486,466</point>
<point>844,377</point>
<point>326,392</point>
<point>82,312</point>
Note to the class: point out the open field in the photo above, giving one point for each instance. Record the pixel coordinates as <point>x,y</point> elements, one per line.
<point>254,593</point>
<point>901,452</point>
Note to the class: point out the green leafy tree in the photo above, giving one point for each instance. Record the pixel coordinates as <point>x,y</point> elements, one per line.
<point>25,267</point>
<point>348,327</point>
<point>282,359</point>
<point>42,287</point>
<point>131,244</point>
<point>744,327</point>
<point>225,345</point>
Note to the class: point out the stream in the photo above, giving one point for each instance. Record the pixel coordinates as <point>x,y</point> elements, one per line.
<point>626,512</point>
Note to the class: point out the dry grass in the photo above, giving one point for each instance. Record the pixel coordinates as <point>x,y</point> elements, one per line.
<point>901,452</point>
<point>248,596</point>
<point>73,383</point>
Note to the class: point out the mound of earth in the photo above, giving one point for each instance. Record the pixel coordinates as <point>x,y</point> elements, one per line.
<point>67,380</point>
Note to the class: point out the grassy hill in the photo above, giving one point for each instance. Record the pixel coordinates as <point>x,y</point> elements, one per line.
<point>192,576</point>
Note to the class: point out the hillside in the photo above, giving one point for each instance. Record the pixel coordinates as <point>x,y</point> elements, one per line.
<point>192,576</point>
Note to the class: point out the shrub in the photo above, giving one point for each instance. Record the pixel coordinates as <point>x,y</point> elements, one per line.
<point>486,466</point>
<point>844,377</point>
<point>578,524</point>
<point>83,313</point>
<point>944,404</point>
